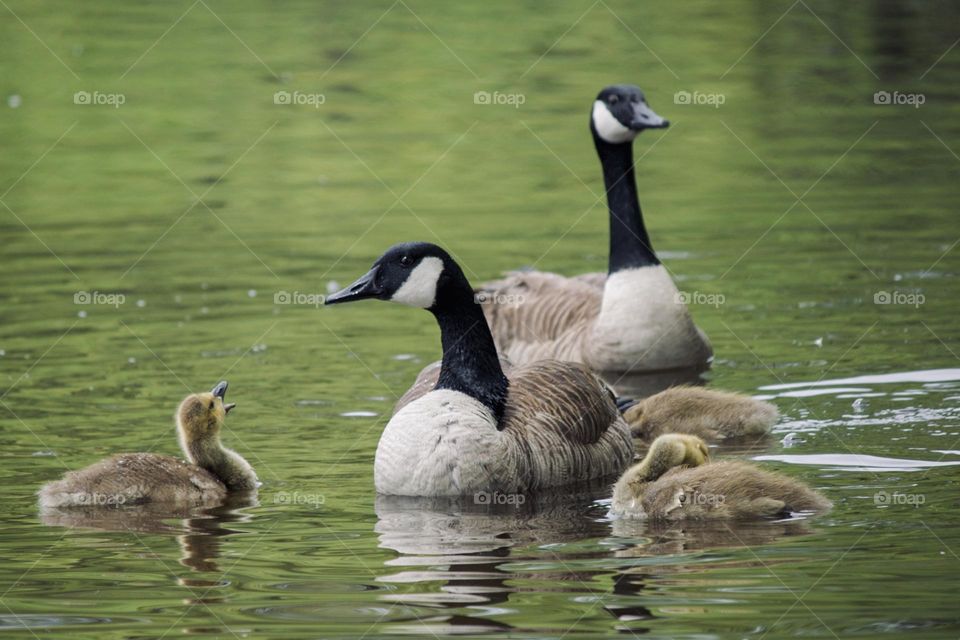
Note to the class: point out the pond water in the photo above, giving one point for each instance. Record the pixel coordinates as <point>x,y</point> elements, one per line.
<point>167,222</point>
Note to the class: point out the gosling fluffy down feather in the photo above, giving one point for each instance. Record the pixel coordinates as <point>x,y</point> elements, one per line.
<point>727,489</point>
<point>706,413</point>
<point>130,479</point>
<point>676,481</point>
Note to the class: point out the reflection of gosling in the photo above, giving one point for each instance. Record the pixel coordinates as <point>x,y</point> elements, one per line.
<point>700,489</point>
<point>140,478</point>
<point>709,414</point>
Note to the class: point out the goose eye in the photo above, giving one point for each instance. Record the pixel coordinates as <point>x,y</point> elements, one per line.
<point>406,261</point>
<point>613,99</point>
<point>635,99</point>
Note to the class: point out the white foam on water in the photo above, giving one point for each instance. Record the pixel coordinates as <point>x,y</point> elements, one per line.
<point>856,462</point>
<point>922,376</point>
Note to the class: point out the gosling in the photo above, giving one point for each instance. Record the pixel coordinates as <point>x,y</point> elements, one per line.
<point>129,479</point>
<point>707,413</point>
<point>677,481</point>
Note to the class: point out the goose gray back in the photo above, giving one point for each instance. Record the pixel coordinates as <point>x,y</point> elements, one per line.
<point>469,427</point>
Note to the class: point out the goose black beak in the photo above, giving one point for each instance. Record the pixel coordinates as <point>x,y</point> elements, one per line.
<point>365,287</point>
<point>646,118</point>
<point>220,391</point>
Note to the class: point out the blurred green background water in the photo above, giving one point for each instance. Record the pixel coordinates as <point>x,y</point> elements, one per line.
<point>220,214</point>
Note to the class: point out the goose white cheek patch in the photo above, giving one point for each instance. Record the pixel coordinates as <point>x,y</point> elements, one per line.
<point>608,127</point>
<point>420,287</point>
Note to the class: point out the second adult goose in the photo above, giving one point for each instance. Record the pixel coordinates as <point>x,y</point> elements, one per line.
<point>476,430</point>
<point>631,319</point>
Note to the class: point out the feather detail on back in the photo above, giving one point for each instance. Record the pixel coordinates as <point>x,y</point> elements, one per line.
<point>129,479</point>
<point>676,481</point>
<point>707,413</point>
<point>565,400</point>
<point>728,489</point>
<point>596,280</point>
<point>561,426</point>
<point>634,320</point>
<point>536,316</point>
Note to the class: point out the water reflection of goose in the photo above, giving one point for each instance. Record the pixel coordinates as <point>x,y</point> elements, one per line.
<point>200,533</point>
<point>646,539</point>
<point>481,554</point>
<point>485,523</point>
<point>464,543</point>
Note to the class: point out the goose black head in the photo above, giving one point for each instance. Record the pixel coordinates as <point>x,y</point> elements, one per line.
<point>620,112</point>
<point>417,274</point>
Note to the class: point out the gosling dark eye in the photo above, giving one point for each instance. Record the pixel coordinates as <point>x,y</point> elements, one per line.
<point>406,261</point>
<point>613,99</point>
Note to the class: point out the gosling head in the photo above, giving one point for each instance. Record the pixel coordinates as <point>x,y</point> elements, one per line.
<point>680,450</point>
<point>621,112</point>
<point>201,415</point>
<point>417,274</point>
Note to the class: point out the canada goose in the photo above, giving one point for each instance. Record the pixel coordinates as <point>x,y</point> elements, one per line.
<point>631,320</point>
<point>700,489</point>
<point>706,413</point>
<point>147,478</point>
<point>476,430</point>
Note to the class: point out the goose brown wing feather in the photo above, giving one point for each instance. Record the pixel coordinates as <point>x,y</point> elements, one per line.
<point>559,399</point>
<point>535,306</point>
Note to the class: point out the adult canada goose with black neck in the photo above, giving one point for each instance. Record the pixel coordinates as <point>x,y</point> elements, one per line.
<point>632,319</point>
<point>548,424</point>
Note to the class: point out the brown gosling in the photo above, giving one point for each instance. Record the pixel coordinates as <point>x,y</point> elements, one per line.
<point>677,481</point>
<point>706,413</point>
<point>128,479</point>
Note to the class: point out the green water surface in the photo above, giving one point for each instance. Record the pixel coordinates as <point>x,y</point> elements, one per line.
<point>153,247</point>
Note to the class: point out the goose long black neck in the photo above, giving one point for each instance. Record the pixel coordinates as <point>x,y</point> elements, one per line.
<point>629,243</point>
<point>470,362</point>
